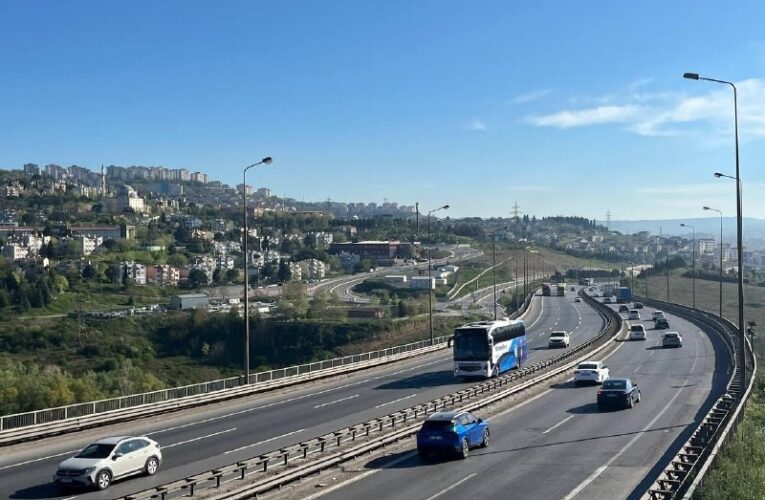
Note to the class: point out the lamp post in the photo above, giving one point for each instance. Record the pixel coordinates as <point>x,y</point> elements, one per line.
<point>693,260</point>
<point>430,279</point>
<point>739,226</point>
<point>721,252</point>
<point>494,266</point>
<point>265,161</point>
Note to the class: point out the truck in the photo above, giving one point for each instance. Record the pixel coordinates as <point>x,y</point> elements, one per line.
<point>623,294</point>
<point>608,289</point>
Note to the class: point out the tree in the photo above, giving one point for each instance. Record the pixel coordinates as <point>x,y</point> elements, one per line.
<point>217,276</point>
<point>293,303</point>
<point>310,240</point>
<point>283,274</point>
<point>113,273</point>
<point>197,278</point>
<point>232,275</point>
<point>177,259</point>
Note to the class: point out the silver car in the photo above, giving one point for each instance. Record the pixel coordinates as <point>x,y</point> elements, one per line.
<point>108,459</point>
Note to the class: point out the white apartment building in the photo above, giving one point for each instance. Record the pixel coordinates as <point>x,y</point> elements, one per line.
<point>313,269</point>
<point>15,251</point>
<point>295,271</point>
<point>89,244</point>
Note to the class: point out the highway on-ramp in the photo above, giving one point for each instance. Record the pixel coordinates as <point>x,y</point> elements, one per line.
<point>194,441</point>
<point>558,445</point>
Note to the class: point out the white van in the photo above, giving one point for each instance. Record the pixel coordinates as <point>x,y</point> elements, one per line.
<point>637,332</point>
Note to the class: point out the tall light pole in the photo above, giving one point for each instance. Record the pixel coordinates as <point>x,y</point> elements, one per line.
<point>265,161</point>
<point>739,227</point>
<point>693,261</point>
<point>430,279</point>
<point>721,252</point>
<point>494,266</point>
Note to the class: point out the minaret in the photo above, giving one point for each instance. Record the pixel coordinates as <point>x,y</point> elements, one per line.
<point>103,182</point>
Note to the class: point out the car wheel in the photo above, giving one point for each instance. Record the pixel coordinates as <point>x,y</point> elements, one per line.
<point>103,479</point>
<point>465,449</point>
<point>151,467</point>
<point>485,442</point>
<point>631,403</point>
<point>638,398</point>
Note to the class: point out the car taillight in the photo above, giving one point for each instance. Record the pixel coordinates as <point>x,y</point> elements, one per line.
<point>600,393</point>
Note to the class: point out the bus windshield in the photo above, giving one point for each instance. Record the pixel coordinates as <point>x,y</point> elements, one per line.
<point>471,344</point>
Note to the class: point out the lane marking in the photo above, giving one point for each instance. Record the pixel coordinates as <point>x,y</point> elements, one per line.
<point>638,369</point>
<point>262,442</point>
<point>335,401</point>
<point>164,447</point>
<point>592,477</point>
<point>11,466</point>
<point>395,400</point>
<point>451,487</point>
<point>559,424</point>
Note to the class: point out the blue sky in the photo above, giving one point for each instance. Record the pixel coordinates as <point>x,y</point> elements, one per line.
<point>569,108</point>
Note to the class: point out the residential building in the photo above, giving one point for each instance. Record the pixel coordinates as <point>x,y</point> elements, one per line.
<point>422,282</point>
<point>189,301</point>
<point>89,244</point>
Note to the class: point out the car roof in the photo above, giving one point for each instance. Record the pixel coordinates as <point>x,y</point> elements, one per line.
<point>590,361</point>
<point>112,439</point>
<point>672,333</point>
<point>625,380</point>
<point>444,416</point>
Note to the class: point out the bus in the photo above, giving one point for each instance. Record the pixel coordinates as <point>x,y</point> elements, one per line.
<point>488,348</point>
<point>546,289</point>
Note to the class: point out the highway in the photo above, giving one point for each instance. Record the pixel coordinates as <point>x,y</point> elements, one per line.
<point>197,440</point>
<point>558,445</point>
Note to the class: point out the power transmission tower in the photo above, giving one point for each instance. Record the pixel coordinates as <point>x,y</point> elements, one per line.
<point>516,211</point>
<point>608,220</point>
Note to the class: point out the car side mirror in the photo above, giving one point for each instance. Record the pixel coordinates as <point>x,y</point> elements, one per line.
<point>116,456</point>
<point>480,420</point>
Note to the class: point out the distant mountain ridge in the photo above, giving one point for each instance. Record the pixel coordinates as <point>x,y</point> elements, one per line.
<point>706,227</point>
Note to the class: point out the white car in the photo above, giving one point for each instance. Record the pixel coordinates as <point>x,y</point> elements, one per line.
<point>108,459</point>
<point>657,314</point>
<point>590,372</point>
<point>634,314</point>
<point>558,339</point>
<point>637,332</point>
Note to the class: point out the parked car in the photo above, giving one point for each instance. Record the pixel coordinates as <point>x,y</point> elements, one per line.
<point>637,305</point>
<point>623,308</point>
<point>558,339</point>
<point>450,432</point>
<point>109,459</point>
<point>618,392</point>
<point>671,339</point>
<point>637,332</point>
<point>634,315</point>
<point>591,372</point>
<point>661,324</point>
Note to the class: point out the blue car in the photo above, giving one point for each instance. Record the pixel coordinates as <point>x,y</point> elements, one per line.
<point>452,432</point>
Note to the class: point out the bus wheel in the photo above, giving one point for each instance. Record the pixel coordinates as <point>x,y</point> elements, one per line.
<point>495,371</point>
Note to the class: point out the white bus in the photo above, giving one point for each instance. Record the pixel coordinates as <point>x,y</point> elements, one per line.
<point>488,348</point>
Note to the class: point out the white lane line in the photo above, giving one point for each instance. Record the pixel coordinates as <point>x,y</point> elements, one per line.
<point>261,442</point>
<point>452,486</point>
<point>362,476</point>
<point>637,369</point>
<point>335,401</point>
<point>592,477</point>
<point>395,400</point>
<point>166,446</point>
<point>558,424</point>
<point>70,498</point>
<point>281,402</point>
<point>11,466</point>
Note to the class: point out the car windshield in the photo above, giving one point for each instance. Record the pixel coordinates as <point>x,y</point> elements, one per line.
<point>670,336</point>
<point>558,334</point>
<point>471,344</point>
<point>96,450</point>
<point>636,328</point>
<point>437,425</point>
<point>587,366</point>
<point>615,384</point>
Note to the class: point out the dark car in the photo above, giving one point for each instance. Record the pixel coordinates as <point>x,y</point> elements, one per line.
<point>624,309</point>
<point>637,305</point>
<point>607,300</point>
<point>452,432</point>
<point>618,393</point>
<point>661,324</point>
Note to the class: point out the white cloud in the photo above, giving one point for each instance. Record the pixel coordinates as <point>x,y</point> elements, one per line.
<point>590,116</point>
<point>529,97</point>
<point>667,113</point>
<point>476,124</point>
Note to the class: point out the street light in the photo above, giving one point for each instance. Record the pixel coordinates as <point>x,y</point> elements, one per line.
<point>265,161</point>
<point>494,266</point>
<point>430,279</point>
<point>721,252</point>
<point>739,225</point>
<point>693,265</point>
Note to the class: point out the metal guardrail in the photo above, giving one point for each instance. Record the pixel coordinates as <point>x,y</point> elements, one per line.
<point>41,423</point>
<point>332,446</point>
<point>687,468</point>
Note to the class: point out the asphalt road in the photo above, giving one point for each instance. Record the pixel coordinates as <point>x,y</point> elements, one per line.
<point>194,441</point>
<point>558,445</point>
